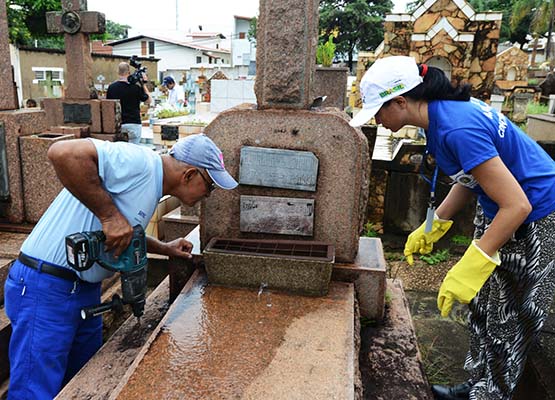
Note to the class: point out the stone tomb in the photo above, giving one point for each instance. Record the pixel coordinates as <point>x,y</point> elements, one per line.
<point>15,124</point>
<point>40,184</point>
<point>313,157</point>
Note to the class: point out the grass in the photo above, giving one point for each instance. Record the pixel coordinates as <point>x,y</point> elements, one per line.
<point>534,107</point>
<point>461,240</point>
<point>435,363</point>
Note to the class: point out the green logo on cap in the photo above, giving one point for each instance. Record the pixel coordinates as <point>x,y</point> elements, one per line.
<point>392,90</point>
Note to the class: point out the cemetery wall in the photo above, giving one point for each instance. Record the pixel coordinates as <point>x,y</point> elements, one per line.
<point>105,64</point>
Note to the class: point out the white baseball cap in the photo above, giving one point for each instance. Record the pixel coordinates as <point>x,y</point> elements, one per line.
<point>387,78</point>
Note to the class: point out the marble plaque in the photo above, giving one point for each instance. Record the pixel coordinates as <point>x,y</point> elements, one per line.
<point>4,179</point>
<point>282,215</point>
<point>286,169</point>
<point>77,113</point>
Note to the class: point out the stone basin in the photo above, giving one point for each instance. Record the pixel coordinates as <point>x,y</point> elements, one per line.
<point>294,266</point>
<point>224,343</point>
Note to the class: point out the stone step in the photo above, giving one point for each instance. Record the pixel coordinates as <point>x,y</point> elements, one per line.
<point>218,342</point>
<point>391,363</point>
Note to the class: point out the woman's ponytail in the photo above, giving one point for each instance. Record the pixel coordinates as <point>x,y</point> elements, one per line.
<point>436,86</point>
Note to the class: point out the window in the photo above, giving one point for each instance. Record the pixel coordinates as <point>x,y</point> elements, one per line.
<point>49,81</point>
<point>151,48</point>
<point>48,74</point>
<point>209,60</point>
<point>143,48</point>
<point>199,59</point>
<point>217,45</point>
<point>242,35</point>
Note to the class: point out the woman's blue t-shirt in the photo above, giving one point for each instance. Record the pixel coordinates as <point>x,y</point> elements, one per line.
<point>464,134</point>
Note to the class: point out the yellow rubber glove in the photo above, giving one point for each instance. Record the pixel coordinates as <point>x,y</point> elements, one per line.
<point>466,278</point>
<point>423,243</point>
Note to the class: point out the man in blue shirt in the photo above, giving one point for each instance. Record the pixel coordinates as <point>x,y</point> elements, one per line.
<point>108,187</point>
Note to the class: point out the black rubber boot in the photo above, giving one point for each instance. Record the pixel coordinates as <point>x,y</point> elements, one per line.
<point>458,392</point>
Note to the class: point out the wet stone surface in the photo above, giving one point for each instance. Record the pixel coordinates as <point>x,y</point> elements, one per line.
<point>223,343</point>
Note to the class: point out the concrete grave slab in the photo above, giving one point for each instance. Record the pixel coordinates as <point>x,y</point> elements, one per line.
<point>218,342</point>
<point>98,379</point>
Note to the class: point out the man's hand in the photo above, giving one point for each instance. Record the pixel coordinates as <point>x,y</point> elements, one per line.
<point>118,233</point>
<point>179,248</point>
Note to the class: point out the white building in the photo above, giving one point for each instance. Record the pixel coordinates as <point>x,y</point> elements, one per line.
<point>174,55</point>
<point>242,50</point>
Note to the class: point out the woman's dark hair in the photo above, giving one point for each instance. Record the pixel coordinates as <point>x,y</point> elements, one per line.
<point>436,86</point>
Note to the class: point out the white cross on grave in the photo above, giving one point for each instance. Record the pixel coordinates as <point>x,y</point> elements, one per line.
<point>77,23</point>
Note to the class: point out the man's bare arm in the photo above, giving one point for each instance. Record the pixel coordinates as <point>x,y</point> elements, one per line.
<point>76,164</point>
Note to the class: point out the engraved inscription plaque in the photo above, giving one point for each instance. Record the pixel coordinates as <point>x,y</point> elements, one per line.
<point>282,215</point>
<point>170,132</point>
<point>77,113</point>
<point>286,169</point>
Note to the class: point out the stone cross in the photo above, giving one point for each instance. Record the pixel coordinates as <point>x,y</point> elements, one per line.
<point>8,99</point>
<point>287,36</point>
<point>77,23</point>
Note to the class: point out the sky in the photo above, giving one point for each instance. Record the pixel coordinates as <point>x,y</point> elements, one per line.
<point>160,15</point>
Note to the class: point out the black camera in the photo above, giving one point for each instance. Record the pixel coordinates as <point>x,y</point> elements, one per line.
<point>137,76</point>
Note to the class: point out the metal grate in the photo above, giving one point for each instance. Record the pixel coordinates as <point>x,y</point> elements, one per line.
<point>297,249</point>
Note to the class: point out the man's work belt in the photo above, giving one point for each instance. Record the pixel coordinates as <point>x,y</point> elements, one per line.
<point>48,268</point>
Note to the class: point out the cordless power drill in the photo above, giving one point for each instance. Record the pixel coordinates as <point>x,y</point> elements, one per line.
<point>85,248</point>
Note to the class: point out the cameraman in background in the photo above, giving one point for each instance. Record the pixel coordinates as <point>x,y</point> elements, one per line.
<point>130,90</point>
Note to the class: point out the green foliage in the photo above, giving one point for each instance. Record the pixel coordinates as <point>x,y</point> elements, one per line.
<point>369,230</point>
<point>461,240</point>
<point>26,19</point>
<point>359,24</point>
<point>251,34</point>
<point>115,31</point>
<point>534,107</point>
<point>325,53</point>
<point>436,258</point>
<point>27,25</point>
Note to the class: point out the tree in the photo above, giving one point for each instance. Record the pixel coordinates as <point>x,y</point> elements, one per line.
<point>26,19</point>
<point>359,23</point>
<point>541,14</point>
<point>115,31</point>
<point>27,25</point>
<point>251,35</point>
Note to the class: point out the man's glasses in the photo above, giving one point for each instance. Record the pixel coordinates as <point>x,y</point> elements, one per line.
<point>209,185</point>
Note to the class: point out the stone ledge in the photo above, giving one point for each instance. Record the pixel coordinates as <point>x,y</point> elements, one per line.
<point>391,363</point>
<point>368,273</point>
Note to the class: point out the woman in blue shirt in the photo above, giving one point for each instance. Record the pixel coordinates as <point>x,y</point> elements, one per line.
<point>507,275</point>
